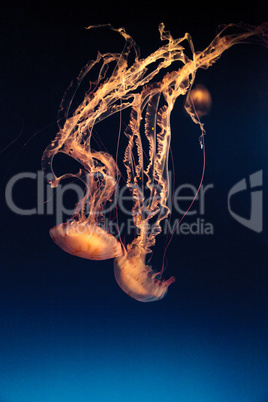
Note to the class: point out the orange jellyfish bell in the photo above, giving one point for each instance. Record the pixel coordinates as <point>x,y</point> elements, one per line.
<point>138,279</point>
<point>86,241</point>
<point>199,100</point>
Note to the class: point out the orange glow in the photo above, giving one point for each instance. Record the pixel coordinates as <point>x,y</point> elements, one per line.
<point>149,92</point>
<point>86,241</point>
<point>138,280</point>
<point>199,100</point>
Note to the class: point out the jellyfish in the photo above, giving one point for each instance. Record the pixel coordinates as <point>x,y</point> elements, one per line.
<point>199,101</point>
<point>149,92</point>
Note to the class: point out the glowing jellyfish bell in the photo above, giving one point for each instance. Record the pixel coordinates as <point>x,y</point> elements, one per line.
<point>139,87</point>
<point>199,101</point>
<point>138,280</point>
<point>86,241</point>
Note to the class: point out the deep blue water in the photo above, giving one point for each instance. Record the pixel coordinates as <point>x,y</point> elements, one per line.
<point>67,331</point>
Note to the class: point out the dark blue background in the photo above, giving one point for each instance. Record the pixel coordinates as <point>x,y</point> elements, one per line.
<point>67,331</point>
